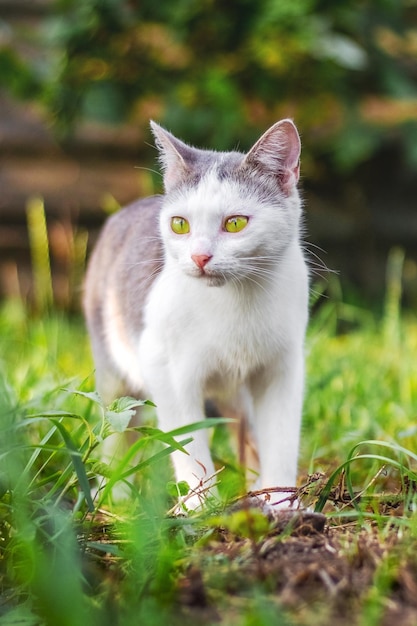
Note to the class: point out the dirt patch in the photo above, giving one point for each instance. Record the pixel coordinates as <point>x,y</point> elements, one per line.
<point>341,576</point>
<point>301,568</point>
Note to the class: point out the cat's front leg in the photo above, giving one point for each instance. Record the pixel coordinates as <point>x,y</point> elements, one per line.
<point>277,421</point>
<point>179,403</point>
<point>196,467</point>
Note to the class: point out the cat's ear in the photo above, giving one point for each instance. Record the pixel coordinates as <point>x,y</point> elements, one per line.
<point>175,156</point>
<point>277,153</point>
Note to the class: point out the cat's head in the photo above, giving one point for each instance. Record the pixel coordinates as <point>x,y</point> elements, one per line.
<point>226,215</point>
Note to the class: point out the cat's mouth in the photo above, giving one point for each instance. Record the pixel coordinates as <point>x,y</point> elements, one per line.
<point>210,278</point>
<point>215,280</point>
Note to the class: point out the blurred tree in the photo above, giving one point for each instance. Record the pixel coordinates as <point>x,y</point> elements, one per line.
<point>217,73</point>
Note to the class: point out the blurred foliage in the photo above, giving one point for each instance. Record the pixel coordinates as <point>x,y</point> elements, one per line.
<point>217,73</point>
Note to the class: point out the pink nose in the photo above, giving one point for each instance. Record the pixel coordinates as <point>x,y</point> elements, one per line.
<point>201,260</point>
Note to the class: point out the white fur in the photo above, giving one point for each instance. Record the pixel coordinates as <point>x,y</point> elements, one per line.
<point>194,336</point>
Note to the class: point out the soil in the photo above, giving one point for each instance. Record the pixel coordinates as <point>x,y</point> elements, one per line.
<point>317,577</point>
<point>310,568</point>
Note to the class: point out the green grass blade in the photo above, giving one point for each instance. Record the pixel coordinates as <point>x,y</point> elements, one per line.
<point>324,495</point>
<point>120,475</point>
<point>78,464</point>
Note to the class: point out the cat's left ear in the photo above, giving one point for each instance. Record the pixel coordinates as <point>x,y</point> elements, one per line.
<point>175,156</point>
<point>277,153</point>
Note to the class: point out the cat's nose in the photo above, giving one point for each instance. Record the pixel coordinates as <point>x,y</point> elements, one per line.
<point>201,260</point>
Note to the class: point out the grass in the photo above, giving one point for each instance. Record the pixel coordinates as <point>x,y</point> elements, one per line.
<point>68,557</point>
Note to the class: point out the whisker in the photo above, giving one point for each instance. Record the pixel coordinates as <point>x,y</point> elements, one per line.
<point>320,265</point>
<point>240,279</point>
<point>148,169</point>
<point>146,283</point>
<point>309,244</point>
<point>157,261</point>
<point>151,239</point>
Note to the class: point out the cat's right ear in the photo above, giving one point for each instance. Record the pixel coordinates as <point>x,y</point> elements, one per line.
<point>176,157</point>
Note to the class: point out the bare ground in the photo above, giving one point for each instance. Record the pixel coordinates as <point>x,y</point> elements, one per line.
<point>310,569</point>
<point>338,576</point>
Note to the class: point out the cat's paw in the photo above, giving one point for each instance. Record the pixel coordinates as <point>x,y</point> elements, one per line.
<point>285,516</point>
<point>275,499</point>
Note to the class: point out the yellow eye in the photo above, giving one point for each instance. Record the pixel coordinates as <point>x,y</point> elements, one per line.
<point>236,223</point>
<point>180,225</point>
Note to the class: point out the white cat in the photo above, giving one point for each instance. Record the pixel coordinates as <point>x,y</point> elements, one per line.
<point>202,293</point>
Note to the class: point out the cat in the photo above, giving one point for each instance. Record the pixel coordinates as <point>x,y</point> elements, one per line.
<point>202,293</point>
